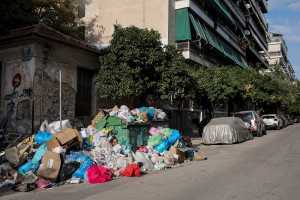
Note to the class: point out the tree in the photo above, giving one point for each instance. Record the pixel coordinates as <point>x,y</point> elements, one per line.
<point>135,64</point>
<point>58,14</point>
<point>218,87</point>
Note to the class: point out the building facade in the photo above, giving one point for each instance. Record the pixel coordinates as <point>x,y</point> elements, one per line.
<point>31,59</point>
<point>212,33</point>
<point>278,56</point>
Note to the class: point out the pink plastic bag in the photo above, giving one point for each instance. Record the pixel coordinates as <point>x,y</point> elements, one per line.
<point>154,131</point>
<point>99,174</point>
<point>144,149</point>
<point>41,183</point>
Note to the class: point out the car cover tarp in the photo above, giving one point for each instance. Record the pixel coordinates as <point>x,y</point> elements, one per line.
<point>225,130</point>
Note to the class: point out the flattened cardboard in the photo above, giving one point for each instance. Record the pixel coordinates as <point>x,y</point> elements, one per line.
<point>65,135</point>
<point>50,165</point>
<point>179,152</point>
<point>78,138</point>
<point>64,138</point>
<point>52,143</point>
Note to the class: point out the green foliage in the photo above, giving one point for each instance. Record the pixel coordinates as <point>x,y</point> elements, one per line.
<point>58,14</point>
<point>136,64</point>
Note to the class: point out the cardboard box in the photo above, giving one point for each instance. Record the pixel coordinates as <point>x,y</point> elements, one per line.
<point>50,165</point>
<point>66,138</point>
<point>179,153</point>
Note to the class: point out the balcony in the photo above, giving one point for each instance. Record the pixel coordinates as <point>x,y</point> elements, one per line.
<point>264,5</point>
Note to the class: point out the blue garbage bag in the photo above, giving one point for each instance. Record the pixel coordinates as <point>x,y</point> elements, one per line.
<point>162,146</point>
<point>150,114</point>
<point>174,136</point>
<point>80,172</point>
<point>78,157</point>
<point>39,154</point>
<point>42,137</point>
<point>29,166</point>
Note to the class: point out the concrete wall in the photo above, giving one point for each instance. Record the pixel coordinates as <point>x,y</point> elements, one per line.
<point>274,47</point>
<point>28,94</point>
<point>101,16</point>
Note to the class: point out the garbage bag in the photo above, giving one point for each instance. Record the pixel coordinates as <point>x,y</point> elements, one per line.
<point>164,145</point>
<point>160,166</point>
<point>67,170</point>
<point>155,140</point>
<point>154,131</point>
<point>174,137</point>
<point>144,149</point>
<point>123,162</point>
<point>132,170</point>
<point>39,153</point>
<point>41,183</point>
<point>42,137</point>
<point>98,174</point>
<point>169,159</point>
<point>29,166</point>
<point>79,173</point>
<point>75,156</point>
<point>150,114</point>
<point>166,131</point>
<point>54,127</point>
<point>143,158</point>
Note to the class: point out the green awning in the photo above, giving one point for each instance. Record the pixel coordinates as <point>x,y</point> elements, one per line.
<point>223,8</point>
<point>197,26</point>
<point>245,63</point>
<point>228,51</point>
<point>239,59</point>
<point>213,39</point>
<point>182,25</point>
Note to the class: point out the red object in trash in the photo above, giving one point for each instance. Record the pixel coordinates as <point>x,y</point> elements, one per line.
<point>99,174</point>
<point>132,170</point>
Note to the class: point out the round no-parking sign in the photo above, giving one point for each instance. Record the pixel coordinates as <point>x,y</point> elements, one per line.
<point>16,80</point>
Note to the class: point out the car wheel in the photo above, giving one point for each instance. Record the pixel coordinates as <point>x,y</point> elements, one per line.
<point>264,132</point>
<point>259,133</point>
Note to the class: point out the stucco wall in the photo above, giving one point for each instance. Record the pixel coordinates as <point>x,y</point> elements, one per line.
<point>101,16</point>
<point>60,58</point>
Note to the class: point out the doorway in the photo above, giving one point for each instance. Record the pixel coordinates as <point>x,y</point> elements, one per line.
<point>83,103</point>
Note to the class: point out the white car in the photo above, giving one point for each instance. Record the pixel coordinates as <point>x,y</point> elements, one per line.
<point>272,121</point>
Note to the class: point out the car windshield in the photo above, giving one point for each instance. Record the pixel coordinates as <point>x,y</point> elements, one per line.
<point>268,117</point>
<point>244,115</point>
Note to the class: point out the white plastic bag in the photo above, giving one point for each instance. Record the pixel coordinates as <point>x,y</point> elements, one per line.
<point>143,157</point>
<point>54,127</point>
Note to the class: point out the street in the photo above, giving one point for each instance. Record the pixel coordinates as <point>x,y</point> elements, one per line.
<point>263,168</point>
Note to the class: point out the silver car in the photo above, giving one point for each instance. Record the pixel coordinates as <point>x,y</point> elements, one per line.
<point>257,125</point>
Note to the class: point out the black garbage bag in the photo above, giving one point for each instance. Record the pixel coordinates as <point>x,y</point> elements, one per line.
<point>67,170</point>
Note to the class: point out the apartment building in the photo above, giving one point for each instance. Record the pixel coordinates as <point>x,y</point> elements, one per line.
<point>210,32</point>
<point>278,56</point>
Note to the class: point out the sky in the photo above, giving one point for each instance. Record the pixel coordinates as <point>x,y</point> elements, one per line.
<point>284,17</point>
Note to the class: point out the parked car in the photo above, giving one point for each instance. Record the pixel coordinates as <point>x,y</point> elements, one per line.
<point>290,121</point>
<point>226,130</point>
<point>285,122</point>
<point>272,121</point>
<point>296,119</point>
<point>258,126</point>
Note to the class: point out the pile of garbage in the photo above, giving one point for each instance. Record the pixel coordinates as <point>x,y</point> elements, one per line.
<point>53,157</point>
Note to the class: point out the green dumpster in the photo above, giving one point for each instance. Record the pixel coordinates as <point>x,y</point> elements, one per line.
<point>128,133</point>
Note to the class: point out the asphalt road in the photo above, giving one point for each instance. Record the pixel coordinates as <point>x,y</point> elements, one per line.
<point>263,168</point>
